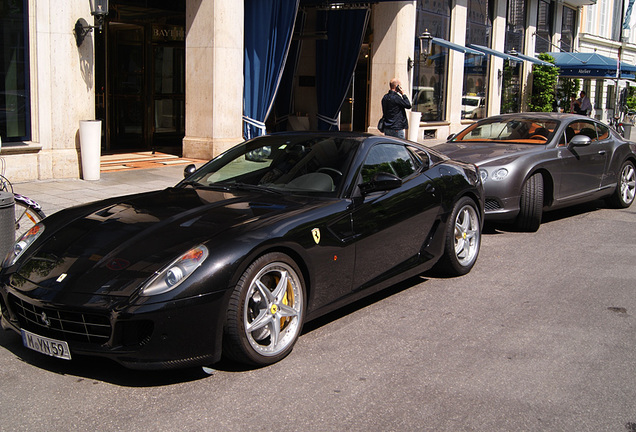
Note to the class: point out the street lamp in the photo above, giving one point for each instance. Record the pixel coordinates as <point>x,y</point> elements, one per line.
<point>99,9</point>
<point>425,38</point>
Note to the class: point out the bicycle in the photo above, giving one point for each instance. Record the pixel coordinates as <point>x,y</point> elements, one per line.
<point>27,212</point>
<point>625,117</point>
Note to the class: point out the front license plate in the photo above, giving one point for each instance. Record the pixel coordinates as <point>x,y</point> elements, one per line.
<point>51,347</point>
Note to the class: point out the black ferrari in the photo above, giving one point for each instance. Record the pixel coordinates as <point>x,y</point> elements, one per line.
<point>233,260</point>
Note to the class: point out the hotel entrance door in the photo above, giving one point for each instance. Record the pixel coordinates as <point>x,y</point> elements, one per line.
<point>144,87</point>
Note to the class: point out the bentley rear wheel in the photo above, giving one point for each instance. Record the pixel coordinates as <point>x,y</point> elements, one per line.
<point>266,311</point>
<point>623,197</point>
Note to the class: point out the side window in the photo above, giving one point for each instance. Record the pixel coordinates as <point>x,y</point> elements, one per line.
<point>388,158</point>
<point>603,132</point>
<point>586,128</point>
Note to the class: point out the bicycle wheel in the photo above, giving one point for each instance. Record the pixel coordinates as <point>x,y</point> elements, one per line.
<point>25,217</point>
<point>5,184</point>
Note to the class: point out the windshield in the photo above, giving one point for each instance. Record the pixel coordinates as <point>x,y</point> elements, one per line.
<point>518,130</point>
<point>303,163</point>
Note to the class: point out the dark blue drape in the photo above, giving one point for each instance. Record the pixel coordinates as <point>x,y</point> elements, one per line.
<point>336,60</point>
<point>269,25</point>
<point>283,105</point>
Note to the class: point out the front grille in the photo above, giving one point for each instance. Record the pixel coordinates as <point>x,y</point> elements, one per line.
<point>492,204</point>
<point>61,324</point>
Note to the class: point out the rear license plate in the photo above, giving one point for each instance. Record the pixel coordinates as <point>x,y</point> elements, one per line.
<point>44,345</point>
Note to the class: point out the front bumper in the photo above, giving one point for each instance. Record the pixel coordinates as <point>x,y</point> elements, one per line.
<point>501,209</point>
<point>176,334</point>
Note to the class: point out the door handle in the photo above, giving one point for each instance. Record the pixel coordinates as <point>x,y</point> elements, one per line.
<point>602,152</point>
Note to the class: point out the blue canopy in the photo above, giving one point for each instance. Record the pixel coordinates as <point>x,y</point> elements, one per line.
<point>591,65</point>
<point>456,47</point>
<point>269,25</point>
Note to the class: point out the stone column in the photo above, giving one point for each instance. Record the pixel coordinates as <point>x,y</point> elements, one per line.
<point>456,66</point>
<point>214,77</point>
<point>531,28</point>
<point>393,45</point>
<point>497,63</point>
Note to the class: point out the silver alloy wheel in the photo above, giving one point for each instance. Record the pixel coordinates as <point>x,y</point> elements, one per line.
<point>628,183</point>
<point>466,235</point>
<point>274,302</point>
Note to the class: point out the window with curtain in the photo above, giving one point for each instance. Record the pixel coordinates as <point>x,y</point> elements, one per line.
<point>430,76</point>
<point>568,24</point>
<point>544,27</point>
<point>15,112</point>
<point>515,36</point>
<point>478,32</point>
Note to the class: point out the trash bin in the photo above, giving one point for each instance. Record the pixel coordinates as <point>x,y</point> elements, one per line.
<point>90,148</point>
<point>7,223</point>
<point>628,131</point>
<point>414,125</point>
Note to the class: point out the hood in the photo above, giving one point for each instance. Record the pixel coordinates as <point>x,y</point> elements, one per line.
<point>111,247</point>
<point>481,153</point>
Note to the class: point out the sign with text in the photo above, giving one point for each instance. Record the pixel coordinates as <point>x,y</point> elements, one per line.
<point>165,33</point>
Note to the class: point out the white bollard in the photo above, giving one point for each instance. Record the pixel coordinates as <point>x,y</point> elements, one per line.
<point>90,148</point>
<point>414,125</point>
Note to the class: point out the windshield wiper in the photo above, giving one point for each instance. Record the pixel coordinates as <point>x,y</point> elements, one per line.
<point>251,187</point>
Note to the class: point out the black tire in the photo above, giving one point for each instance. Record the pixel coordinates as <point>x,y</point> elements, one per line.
<point>462,239</point>
<point>276,311</point>
<point>531,204</point>
<point>623,196</point>
<point>25,217</point>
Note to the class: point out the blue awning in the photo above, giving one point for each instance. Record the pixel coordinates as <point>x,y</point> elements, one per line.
<point>532,59</point>
<point>456,47</point>
<point>591,65</point>
<point>495,53</point>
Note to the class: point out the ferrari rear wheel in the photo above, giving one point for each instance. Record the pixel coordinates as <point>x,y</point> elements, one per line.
<point>463,239</point>
<point>266,311</point>
<point>531,204</point>
<point>626,187</point>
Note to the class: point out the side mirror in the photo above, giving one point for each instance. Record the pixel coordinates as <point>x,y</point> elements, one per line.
<point>580,141</point>
<point>381,182</point>
<point>451,136</point>
<point>189,170</point>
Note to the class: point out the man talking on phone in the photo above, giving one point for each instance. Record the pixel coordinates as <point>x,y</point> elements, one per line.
<point>394,106</point>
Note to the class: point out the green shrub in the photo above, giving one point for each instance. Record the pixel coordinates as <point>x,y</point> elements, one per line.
<point>544,80</point>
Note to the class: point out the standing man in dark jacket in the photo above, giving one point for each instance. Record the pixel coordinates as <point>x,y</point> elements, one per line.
<point>394,104</point>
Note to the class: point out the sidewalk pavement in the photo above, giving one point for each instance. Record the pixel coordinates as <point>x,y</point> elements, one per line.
<point>55,195</point>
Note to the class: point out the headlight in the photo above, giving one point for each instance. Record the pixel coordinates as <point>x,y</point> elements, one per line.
<point>483,174</point>
<point>174,274</point>
<point>23,244</point>
<point>500,174</point>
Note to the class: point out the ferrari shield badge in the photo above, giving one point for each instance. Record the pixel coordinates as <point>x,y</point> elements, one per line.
<point>315,233</point>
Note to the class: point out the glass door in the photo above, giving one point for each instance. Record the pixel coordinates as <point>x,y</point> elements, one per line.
<point>168,96</point>
<point>127,87</point>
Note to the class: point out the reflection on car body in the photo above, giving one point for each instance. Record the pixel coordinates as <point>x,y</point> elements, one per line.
<point>233,260</point>
<point>531,162</point>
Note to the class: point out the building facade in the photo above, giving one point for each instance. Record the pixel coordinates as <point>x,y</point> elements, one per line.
<point>171,75</point>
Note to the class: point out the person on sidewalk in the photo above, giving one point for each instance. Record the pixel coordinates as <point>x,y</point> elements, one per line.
<point>394,106</point>
<point>585,106</point>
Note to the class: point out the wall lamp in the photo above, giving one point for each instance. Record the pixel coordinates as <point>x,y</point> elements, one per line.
<point>99,9</point>
<point>425,38</point>
<point>513,63</point>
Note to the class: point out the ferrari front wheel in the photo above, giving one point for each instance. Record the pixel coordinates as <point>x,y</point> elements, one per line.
<point>265,312</point>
